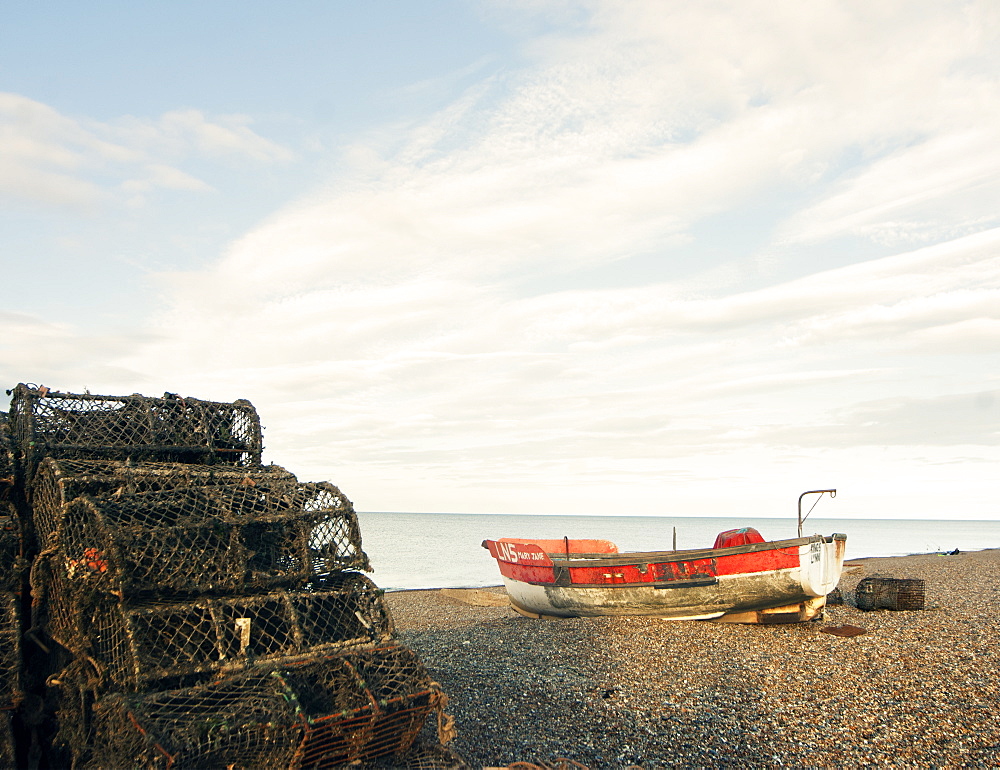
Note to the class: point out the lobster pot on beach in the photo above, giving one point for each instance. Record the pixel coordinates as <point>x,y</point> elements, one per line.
<point>313,713</point>
<point>10,651</point>
<point>11,569</point>
<point>11,547</point>
<point>8,475</point>
<point>8,752</point>
<point>134,645</point>
<point>45,423</point>
<point>59,482</point>
<point>220,539</point>
<point>883,593</point>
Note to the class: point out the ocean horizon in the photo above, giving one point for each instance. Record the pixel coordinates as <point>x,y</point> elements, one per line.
<point>443,550</point>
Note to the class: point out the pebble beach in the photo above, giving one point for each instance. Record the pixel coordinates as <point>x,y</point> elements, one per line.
<point>918,688</point>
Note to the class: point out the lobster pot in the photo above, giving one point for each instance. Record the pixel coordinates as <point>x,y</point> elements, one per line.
<point>8,748</point>
<point>241,721</point>
<point>11,546</point>
<point>59,482</point>
<point>378,713</point>
<point>74,715</point>
<point>10,650</point>
<point>422,755</point>
<point>7,466</point>
<point>135,645</point>
<point>323,712</point>
<point>879,593</point>
<point>55,611</point>
<point>169,429</point>
<point>204,539</point>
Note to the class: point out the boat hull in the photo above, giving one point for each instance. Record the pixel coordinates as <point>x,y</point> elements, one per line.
<point>780,581</point>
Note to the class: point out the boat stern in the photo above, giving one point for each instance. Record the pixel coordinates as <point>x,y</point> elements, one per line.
<point>822,562</point>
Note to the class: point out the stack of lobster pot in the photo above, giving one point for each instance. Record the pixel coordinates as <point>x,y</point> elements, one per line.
<point>11,569</point>
<point>201,609</point>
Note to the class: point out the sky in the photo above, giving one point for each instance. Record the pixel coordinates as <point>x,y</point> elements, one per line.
<point>542,256</point>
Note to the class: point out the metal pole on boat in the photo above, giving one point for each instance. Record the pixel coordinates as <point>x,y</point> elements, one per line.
<point>675,538</point>
<point>820,492</point>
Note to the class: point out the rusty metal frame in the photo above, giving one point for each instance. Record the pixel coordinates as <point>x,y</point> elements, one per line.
<point>820,492</point>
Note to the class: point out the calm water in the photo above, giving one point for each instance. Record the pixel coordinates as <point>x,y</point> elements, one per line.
<point>442,550</point>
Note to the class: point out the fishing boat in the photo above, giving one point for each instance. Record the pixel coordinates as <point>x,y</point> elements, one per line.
<point>741,579</point>
<point>753,581</point>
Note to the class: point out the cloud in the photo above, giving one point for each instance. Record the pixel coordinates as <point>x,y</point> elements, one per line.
<point>422,371</point>
<point>624,137</point>
<point>51,159</point>
<point>962,419</point>
<point>415,286</point>
<point>182,132</point>
<point>166,177</point>
<point>525,300</point>
<point>944,187</point>
<point>58,353</point>
<point>44,153</point>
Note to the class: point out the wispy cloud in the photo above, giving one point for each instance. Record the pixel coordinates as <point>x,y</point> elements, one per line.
<point>944,187</point>
<point>961,419</point>
<point>54,353</point>
<point>184,132</point>
<point>56,160</point>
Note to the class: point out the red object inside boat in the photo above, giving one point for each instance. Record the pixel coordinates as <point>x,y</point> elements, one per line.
<point>566,545</point>
<point>742,536</point>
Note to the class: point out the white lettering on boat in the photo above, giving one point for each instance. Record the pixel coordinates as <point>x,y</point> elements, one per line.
<point>517,553</point>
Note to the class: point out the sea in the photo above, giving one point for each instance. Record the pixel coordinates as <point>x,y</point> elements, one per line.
<point>443,550</point>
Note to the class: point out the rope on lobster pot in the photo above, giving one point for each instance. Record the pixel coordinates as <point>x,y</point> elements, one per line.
<point>446,729</point>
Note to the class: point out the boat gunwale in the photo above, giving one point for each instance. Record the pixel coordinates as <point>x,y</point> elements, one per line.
<point>663,557</point>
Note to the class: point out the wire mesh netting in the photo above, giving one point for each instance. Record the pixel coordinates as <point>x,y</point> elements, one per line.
<point>74,711</point>
<point>422,755</point>
<point>324,712</point>
<point>208,539</point>
<point>133,645</point>
<point>8,757</point>
<point>58,482</point>
<point>10,650</point>
<point>7,467</point>
<point>11,547</point>
<point>371,704</point>
<point>170,429</point>
<point>883,593</point>
<point>241,722</point>
<point>54,612</point>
